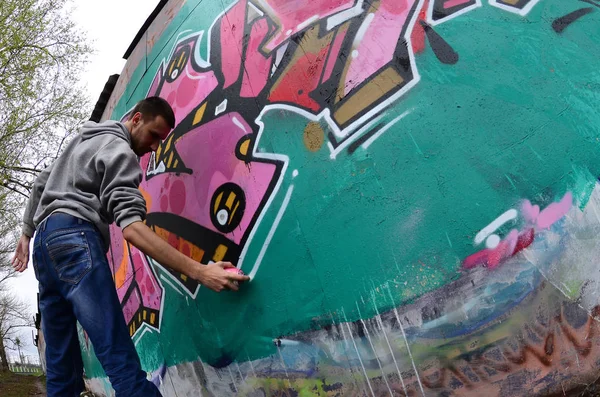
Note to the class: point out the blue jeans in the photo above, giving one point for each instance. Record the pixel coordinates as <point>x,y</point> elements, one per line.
<point>76,284</point>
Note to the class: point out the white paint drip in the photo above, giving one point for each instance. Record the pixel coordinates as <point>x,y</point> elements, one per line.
<point>294,173</point>
<point>492,241</point>
<point>380,322</point>
<point>375,136</point>
<point>242,378</point>
<point>289,342</point>
<point>251,366</point>
<point>232,379</point>
<point>408,349</point>
<point>374,351</point>
<point>496,223</point>
<point>392,353</point>
<point>596,213</point>
<point>284,366</point>
<point>347,348</point>
<point>359,358</point>
<point>345,15</point>
<point>449,242</point>
<point>363,30</point>
<point>261,255</point>
<point>239,124</point>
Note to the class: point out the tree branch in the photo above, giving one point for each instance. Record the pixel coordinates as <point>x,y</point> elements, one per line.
<point>5,185</point>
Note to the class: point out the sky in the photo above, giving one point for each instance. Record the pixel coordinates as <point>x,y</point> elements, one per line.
<point>111,26</point>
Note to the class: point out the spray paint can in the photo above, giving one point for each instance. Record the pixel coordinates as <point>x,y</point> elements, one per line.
<point>235,270</point>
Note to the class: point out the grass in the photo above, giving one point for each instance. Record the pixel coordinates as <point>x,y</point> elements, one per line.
<point>13,385</point>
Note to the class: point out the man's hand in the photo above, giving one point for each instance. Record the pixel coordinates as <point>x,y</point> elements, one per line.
<point>215,277</point>
<point>21,258</point>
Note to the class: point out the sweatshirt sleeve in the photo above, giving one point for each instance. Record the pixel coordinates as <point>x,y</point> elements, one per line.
<point>34,200</point>
<point>120,175</point>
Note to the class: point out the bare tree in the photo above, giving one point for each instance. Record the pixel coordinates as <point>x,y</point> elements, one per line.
<point>14,315</point>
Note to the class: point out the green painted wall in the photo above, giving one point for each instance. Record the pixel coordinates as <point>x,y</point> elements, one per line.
<point>388,218</point>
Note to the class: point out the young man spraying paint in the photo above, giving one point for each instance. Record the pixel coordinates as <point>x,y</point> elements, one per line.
<point>93,183</point>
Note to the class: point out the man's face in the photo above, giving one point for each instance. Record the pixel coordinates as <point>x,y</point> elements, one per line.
<point>147,134</point>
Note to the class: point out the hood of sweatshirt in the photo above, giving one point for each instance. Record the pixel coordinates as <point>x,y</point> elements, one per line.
<point>92,129</point>
<point>96,178</point>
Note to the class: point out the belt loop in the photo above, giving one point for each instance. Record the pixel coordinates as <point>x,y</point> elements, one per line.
<point>44,225</point>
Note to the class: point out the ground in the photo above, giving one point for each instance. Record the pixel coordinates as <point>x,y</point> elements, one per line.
<point>12,385</point>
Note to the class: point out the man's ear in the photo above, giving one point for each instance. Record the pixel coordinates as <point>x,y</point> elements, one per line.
<point>136,117</point>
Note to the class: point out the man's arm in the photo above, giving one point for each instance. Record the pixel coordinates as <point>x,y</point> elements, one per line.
<point>21,258</point>
<point>213,276</point>
<point>34,200</point>
<point>119,194</point>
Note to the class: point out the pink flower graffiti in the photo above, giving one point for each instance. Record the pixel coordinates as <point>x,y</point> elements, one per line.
<point>516,241</point>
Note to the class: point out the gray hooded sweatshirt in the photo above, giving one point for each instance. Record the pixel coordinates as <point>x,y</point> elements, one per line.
<point>96,178</point>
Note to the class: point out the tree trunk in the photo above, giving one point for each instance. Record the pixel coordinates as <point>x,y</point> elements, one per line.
<point>3,359</point>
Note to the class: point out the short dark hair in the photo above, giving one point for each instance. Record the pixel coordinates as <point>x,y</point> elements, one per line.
<point>155,106</point>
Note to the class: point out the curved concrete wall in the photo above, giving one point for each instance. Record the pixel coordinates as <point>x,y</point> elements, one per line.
<point>411,184</point>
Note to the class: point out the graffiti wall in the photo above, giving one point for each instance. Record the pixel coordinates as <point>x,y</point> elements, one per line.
<point>411,185</point>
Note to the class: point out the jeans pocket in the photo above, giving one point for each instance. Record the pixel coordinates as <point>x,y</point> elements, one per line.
<point>70,256</point>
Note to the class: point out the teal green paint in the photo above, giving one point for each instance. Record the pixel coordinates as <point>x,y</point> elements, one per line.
<point>584,183</point>
<point>449,242</point>
<point>93,368</point>
<point>511,182</point>
<point>416,145</point>
<point>194,14</point>
<point>516,118</point>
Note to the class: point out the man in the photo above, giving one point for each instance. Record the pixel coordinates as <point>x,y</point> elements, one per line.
<point>93,183</point>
